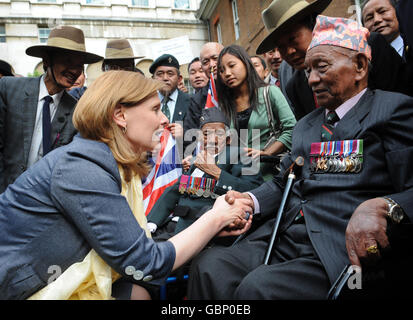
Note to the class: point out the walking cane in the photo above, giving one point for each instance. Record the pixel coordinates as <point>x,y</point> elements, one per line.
<point>291,176</point>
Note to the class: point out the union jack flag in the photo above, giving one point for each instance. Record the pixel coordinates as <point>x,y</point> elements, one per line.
<point>165,171</point>
<point>212,98</point>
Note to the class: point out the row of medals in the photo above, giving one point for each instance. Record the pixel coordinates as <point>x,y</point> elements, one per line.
<point>199,191</point>
<point>353,163</point>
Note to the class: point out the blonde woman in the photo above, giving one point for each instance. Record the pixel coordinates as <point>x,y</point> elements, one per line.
<point>78,198</point>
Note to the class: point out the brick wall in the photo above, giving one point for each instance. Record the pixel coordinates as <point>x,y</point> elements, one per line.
<point>252,30</point>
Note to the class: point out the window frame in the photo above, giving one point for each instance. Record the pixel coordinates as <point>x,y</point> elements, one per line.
<point>218,31</point>
<point>43,28</point>
<point>93,3</point>
<point>140,5</point>
<point>235,16</point>
<point>3,34</point>
<point>179,8</point>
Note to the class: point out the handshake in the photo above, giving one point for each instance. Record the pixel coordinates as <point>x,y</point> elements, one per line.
<point>236,210</point>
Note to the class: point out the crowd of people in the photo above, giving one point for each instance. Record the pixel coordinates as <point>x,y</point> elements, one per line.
<point>318,122</point>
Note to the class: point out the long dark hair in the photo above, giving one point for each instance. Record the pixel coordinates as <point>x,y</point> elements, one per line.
<point>226,94</point>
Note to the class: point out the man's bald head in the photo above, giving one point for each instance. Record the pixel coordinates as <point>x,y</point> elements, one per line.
<point>209,57</point>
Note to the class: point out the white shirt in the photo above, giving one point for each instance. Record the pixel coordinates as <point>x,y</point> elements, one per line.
<point>347,105</point>
<point>171,103</point>
<point>398,45</point>
<point>273,79</point>
<point>36,148</point>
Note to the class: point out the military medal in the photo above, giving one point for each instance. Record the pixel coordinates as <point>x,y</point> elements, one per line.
<point>213,194</point>
<point>357,160</point>
<point>199,189</point>
<point>336,156</point>
<point>190,189</point>
<point>196,185</point>
<point>207,192</point>
<point>182,184</point>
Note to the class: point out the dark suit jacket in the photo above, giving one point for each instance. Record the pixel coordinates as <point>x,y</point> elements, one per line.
<point>18,106</point>
<point>390,72</point>
<point>384,121</point>
<point>64,205</point>
<point>404,15</point>
<point>181,107</point>
<point>231,178</point>
<point>285,73</point>
<point>197,103</point>
<point>300,94</point>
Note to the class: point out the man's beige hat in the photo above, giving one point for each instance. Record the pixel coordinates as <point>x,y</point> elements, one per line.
<point>119,49</point>
<point>64,39</point>
<point>283,14</point>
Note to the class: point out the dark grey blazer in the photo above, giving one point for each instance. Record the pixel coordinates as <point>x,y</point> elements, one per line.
<point>181,107</point>
<point>61,207</point>
<point>18,106</point>
<point>384,120</point>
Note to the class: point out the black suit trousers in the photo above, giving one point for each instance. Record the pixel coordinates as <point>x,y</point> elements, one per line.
<point>238,272</point>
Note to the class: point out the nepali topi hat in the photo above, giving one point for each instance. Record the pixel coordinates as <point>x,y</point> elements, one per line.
<point>341,32</point>
<point>64,39</point>
<point>119,49</point>
<point>214,114</point>
<point>283,14</point>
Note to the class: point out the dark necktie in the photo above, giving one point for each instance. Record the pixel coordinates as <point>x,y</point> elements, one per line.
<point>328,126</point>
<point>165,108</point>
<point>47,126</point>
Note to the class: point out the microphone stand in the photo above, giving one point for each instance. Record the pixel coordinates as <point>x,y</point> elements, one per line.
<point>291,177</point>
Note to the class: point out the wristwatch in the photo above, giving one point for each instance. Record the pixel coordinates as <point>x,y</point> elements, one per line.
<point>394,211</point>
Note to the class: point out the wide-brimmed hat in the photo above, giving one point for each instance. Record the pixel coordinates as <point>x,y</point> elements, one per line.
<point>282,14</point>
<point>65,39</point>
<point>119,49</point>
<point>6,69</point>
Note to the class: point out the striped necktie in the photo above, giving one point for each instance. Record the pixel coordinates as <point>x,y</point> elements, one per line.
<point>46,125</point>
<point>328,126</point>
<point>165,108</point>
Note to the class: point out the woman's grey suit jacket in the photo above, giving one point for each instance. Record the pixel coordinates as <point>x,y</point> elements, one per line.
<point>64,205</point>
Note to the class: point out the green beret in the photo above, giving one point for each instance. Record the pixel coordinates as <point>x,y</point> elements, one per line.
<point>167,60</point>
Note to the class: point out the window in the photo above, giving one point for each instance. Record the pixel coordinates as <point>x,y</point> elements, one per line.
<point>188,86</point>
<point>141,3</point>
<point>236,18</point>
<point>181,4</point>
<point>43,34</point>
<point>95,1</point>
<point>219,34</point>
<point>2,33</point>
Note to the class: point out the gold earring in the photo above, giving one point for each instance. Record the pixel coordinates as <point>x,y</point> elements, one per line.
<point>124,129</point>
